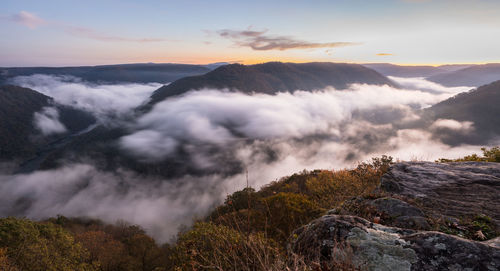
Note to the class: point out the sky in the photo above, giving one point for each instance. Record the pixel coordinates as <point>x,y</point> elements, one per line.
<point>94,32</point>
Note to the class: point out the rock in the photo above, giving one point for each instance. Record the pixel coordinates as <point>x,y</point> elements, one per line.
<point>412,222</point>
<point>495,242</point>
<point>395,207</point>
<point>450,191</point>
<point>371,246</point>
<point>388,211</point>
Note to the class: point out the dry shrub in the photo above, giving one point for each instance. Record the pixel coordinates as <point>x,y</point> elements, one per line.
<point>208,246</point>
<point>5,264</point>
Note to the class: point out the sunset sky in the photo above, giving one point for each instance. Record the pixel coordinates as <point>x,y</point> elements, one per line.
<point>91,32</point>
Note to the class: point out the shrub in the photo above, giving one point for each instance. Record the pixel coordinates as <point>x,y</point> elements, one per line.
<point>489,155</point>
<point>208,246</point>
<point>41,246</point>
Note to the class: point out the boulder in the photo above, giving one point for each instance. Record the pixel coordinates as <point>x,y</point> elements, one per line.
<point>386,210</point>
<point>448,191</point>
<point>371,246</point>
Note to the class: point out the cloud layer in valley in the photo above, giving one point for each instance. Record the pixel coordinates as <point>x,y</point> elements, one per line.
<point>220,118</point>
<point>269,135</point>
<point>105,100</point>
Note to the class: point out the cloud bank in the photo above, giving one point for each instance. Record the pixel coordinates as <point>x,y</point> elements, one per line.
<point>258,40</point>
<point>105,100</point>
<point>222,118</point>
<point>419,83</point>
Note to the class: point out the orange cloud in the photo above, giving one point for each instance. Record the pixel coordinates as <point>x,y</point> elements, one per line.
<point>384,54</point>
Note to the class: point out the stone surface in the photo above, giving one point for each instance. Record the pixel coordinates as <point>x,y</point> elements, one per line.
<point>387,210</point>
<point>376,247</point>
<point>395,207</point>
<point>451,190</point>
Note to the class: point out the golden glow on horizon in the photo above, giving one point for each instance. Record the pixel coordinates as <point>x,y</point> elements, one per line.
<point>295,60</point>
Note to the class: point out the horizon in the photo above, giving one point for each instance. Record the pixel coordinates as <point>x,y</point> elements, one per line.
<point>401,32</point>
<point>253,63</point>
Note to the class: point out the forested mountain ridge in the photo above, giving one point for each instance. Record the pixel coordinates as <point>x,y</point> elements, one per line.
<point>479,106</point>
<point>121,73</point>
<point>273,77</point>
<point>19,136</point>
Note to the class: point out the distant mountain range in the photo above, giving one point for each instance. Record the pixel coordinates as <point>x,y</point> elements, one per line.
<point>446,75</point>
<point>405,71</point>
<point>123,73</point>
<point>475,76</point>
<point>275,77</point>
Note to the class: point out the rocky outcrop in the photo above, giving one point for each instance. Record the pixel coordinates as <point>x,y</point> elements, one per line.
<point>450,191</point>
<point>370,246</point>
<point>422,217</point>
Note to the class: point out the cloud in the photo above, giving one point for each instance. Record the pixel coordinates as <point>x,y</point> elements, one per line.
<point>82,190</point>
<point>450,124</point>
<point>96,35</point>
<point>47,121</point>
<point>27,19</point>
<point>104,100</point>
<point>32,21</point>
<point>201,123</point>
<point>257,40</point>
<point>420,83</point>
<point>384,54</point>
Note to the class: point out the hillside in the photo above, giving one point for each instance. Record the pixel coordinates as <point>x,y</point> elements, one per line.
<point>19,137</point>
<point>378,216</point>
<point>132,73</point>
<point>472,76</point>
<point>275,77</point>
<point>481,106</point>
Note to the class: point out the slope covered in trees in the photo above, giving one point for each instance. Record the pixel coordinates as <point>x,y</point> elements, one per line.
<point>474,76</point>
<point>251,230</point>
<point>133,73</point>
<point>480,106</point>
<point>18,135</point>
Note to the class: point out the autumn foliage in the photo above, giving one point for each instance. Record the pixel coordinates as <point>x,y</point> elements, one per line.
<point>249,231</point>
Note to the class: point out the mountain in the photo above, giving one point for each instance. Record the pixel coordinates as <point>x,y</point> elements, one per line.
<point>273,77</point>
<point>100,143</point>
<point>405,71</point>
<point>19,137</point>
<point>215,65</point>
<point>474,76</point>
<point>454,67</point>
<point>131,73</point>
<point>481,106</point>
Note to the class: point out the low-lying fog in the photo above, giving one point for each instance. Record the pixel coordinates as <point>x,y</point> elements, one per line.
<point>272,135</point>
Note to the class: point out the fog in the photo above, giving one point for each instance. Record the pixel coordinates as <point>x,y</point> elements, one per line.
<point>47,121</point>
<point>271,136</point>
<point>219,117</point>
<point>104,100</point>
